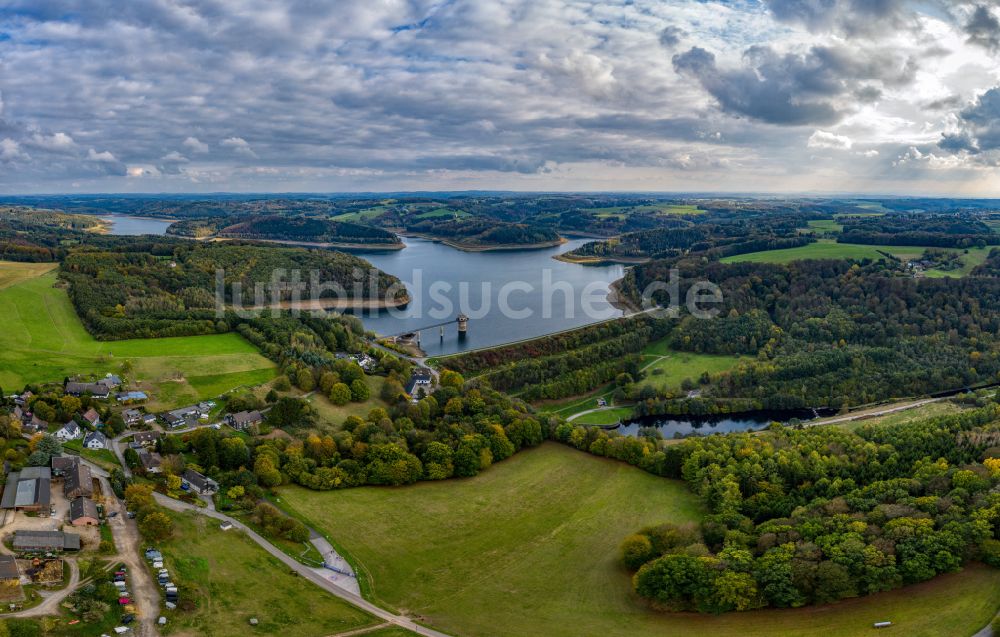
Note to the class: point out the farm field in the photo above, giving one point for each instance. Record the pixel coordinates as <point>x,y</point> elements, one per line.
<point>829,249</point>
<point>43,340</point>
<point>12,272</point>
<point>529,547</point>
<point>231,579</point>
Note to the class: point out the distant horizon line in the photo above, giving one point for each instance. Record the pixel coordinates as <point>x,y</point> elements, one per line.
<point>386,193</point>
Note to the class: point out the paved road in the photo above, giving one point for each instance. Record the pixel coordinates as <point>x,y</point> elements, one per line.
<point>338,571</point>
<point>591,411</point>
<point>305,571</point>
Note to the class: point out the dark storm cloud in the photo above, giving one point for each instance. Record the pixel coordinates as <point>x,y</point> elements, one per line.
<point>983,28</point>
<point>850,16</point>
<point>671,36</point>
<point>816,87</point>
<point>980,128</point>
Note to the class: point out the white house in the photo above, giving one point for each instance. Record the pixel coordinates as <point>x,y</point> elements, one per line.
<point>69,431</point>
<point>95,440</point>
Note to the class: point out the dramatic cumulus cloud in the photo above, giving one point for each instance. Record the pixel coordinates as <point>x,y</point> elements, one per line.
<point>159,95</point>
<point>819,86</point>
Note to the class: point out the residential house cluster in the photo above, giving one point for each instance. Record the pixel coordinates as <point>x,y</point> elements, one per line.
<point>187,416</point>
<point>143,443</point>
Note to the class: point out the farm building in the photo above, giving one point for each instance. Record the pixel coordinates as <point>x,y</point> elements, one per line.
<point>83,512</point>
<point>79,482</point>
<point>28,490</point>
<point>45,541</point>
<point>97,390</point>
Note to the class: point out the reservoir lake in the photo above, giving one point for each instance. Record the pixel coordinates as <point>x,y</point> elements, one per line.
<point>509,295</point>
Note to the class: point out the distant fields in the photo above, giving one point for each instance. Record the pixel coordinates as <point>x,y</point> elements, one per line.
<point>661,209</point>
<point>529,548</point>
<point>829,249</point>
<point>43,340</point>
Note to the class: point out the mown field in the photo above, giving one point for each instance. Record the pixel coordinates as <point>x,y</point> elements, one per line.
<point>529,548</point>
<point>42,339</point>
<point>231,579</point>
<point>829,249</point>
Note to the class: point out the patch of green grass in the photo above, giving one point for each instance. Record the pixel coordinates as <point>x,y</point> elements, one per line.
<point>604,417</point>
<point>670,369</point>
<point>665,208</point>
<point>529,547</point>
<point>438,213</point>
<point>43,340</point>
<point>231,579</point>
<point>825,225</point>
<point>392,631</point>
<point>829,249</point>
<point>12,272</point>
<point>333,416</point>
<point>570,406</point>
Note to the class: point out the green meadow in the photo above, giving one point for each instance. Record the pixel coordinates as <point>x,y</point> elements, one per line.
<point>231,580</point>
<point>43,340</point>
<point>829,249</point>
<point>529,547</point>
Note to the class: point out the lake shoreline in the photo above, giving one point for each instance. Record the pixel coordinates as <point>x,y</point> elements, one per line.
<point>332,245</point>
<point>466,247</point>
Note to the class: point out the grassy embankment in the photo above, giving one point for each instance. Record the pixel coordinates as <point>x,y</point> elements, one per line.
<point>43,340</point>
<point>231,580</point>
<point>530,548</point>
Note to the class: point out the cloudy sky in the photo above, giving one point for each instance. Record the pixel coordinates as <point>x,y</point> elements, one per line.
<point>879,96</point>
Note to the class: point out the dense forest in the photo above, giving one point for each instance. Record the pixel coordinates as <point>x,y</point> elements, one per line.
<point>308,229</point>
<point>939,231</point>
<point>813,516</point>
<point>833,332</point>
<point>716,238</point>
<point>483,232</point>
<point>173,291</point>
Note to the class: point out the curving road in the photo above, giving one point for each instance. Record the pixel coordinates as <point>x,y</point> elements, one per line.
<point>50,605</point>
<point>305,571</point>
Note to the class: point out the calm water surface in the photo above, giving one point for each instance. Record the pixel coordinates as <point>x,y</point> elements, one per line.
<point>126,225</point>
<point>542,295</point>
<point>668,427</point>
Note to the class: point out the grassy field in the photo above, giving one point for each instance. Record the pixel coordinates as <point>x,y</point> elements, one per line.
<point>829,249</point>
<point>932,410</point>
<point>231,579</point>
<point>528,548</point>
<point>660,208</point>
<point>43,340</point>
<point>12,272</point>
<point>825,225</point>
<point>605,417</point>
<point>334,415</point>
<point>665,367</point>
